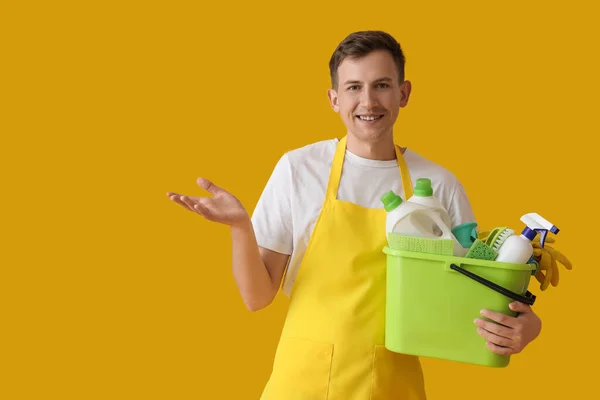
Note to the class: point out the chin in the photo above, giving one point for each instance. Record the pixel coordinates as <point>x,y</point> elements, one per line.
<point>370,135</point>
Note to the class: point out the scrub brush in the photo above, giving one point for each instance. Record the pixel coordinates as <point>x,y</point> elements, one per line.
<point>498,236</point>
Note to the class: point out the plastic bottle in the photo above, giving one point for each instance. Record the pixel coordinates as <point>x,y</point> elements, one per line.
<point>423,195</point>
<point>412,219</point>
<point>397,210</point>
<point>466,234</point>
<point>517,248</point>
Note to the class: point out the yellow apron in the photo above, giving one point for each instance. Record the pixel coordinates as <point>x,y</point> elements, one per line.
<point>332,342</point>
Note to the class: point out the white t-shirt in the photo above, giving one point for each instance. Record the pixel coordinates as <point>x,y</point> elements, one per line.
<point>290,203</point>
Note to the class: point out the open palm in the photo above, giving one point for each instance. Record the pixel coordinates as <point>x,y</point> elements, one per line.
<point>223,207</point>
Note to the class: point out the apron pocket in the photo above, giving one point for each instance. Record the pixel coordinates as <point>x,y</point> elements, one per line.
<point>300,370</point>
<point>396,376</point>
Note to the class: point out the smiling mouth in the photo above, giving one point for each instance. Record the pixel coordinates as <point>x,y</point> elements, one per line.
<point>369,117</point>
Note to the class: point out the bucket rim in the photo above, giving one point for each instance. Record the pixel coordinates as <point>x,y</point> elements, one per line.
<point>458,260</point>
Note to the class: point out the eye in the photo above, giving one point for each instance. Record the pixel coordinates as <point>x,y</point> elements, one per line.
<point>353,88</point>
<point>383,85</point>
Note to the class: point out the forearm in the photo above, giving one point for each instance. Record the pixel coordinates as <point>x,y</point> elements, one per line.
<point>249,270</point>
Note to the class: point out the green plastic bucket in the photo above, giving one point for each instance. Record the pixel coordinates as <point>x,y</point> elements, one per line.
<point>432,301</point>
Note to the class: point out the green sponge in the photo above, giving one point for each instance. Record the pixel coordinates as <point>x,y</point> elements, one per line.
<point>481,251</point>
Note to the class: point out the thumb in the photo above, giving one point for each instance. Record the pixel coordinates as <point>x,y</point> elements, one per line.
<point>209,186</point>
<point>519,307</point>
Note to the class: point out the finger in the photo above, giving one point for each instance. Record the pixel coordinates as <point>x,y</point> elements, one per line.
<point>546,261</point>
<point>203,210</point>
<point>503,351</point>
<point>177,199</point>
<point>173,196</point>
<point>554,278</point>
<point>560,258</point>
<point>189,202</point>
<point>208,186</point>
<point>519,307</point>
<point>495,339</point>
<point>545,264</point>
<point>539,275</point>
<point>500,318</point>
<point>494,328</point>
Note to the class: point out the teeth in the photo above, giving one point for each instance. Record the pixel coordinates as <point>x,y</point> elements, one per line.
<point>368,118</point>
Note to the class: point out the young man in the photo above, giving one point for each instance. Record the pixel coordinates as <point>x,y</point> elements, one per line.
<point>321,213</point>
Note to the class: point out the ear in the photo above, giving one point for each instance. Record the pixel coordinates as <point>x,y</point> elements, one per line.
<point>405,90</point>
<point>333,100</point>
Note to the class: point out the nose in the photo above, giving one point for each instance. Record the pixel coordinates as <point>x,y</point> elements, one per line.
<point>368,99</point>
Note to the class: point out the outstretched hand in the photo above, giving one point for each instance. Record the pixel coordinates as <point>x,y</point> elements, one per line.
<point>223,207</point>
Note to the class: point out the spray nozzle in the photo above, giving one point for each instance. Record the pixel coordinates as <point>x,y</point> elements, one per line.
<point>537,224</point>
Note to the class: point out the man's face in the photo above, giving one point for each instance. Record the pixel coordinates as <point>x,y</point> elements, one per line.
<point>369,95</point>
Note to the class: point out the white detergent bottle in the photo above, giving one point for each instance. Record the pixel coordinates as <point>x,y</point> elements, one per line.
<point>423,195</point>
<point>411,219</point>
<point>429,225</point>
<point>397,210</point>
<point>517,249</point>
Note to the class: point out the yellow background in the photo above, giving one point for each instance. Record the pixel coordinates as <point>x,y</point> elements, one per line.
<point>110,291</point>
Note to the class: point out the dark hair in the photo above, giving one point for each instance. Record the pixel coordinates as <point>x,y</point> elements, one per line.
<point>359,44</point>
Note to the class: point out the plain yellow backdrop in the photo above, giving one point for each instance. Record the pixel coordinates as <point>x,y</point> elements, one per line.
<point>110,291</point>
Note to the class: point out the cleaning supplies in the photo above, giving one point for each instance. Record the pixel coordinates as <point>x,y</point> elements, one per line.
<point>423,194</point>
<point>412,219</point>
<point>518,249</point>
<point>545,258</point>
<point>497,237</point>
<point>481,251</point>
<point>465,233</point>
<point>397,210</point>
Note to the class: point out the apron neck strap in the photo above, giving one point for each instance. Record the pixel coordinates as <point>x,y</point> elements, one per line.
<point>338,162</point>
<point>404,174</point>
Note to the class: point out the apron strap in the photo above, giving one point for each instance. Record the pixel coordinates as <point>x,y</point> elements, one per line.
<point>404,174</point>
<point>335,174</point>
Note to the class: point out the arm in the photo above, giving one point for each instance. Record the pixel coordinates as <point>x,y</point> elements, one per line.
<point>257,271</point>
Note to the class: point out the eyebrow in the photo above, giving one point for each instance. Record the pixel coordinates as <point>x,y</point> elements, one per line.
<point>384,79</point>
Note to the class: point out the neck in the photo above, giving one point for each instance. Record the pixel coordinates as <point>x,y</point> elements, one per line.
<point>382,149</point>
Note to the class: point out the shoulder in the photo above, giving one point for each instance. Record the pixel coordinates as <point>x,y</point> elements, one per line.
<point>311,161</point>
<point>304,165</point>
<point>421,167</point>
<point>446,186</point>
<point>317,152</point>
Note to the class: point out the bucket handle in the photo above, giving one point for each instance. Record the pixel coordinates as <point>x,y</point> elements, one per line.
<point>528,299</point>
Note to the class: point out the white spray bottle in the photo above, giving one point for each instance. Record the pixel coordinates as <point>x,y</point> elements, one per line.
<point>517,248</point>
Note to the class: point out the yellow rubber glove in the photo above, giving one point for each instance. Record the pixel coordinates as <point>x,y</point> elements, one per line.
<point>547,258</point>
